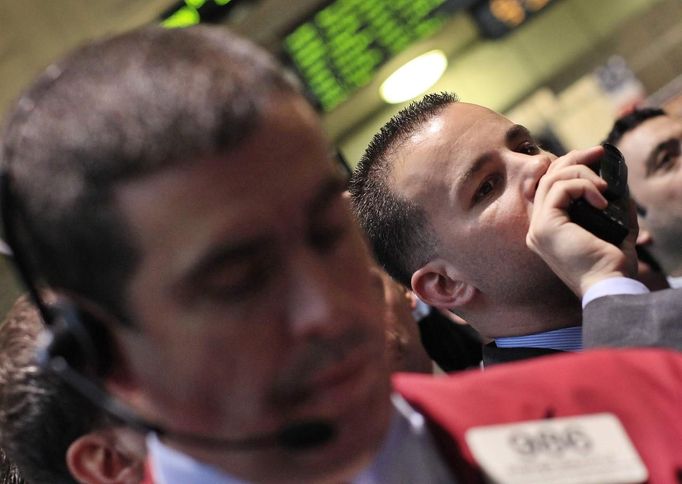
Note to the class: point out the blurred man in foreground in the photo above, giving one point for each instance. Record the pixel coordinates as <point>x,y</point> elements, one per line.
<point>231,312</point>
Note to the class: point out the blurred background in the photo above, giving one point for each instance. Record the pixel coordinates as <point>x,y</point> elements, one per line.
<point>563,68</point>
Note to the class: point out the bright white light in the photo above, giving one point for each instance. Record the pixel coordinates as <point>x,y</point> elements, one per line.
<point>4,249</point>
<point>414,78</point>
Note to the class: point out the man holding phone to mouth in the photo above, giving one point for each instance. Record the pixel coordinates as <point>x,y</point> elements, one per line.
<point>445,192</point>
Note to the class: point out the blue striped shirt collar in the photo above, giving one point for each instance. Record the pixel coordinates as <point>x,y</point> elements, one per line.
<point>564,339</point>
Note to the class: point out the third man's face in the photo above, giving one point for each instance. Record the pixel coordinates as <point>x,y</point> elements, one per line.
<point>255,303</point>
<point>653,154</point>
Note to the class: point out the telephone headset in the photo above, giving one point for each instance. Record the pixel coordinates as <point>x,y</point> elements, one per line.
<point>76,348</point>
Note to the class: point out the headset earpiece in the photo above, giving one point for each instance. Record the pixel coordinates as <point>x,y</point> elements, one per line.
<point>78,339</point>
<point>73,335</point>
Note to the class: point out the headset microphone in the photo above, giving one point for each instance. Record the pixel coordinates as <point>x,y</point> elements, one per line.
<point>298,436</point>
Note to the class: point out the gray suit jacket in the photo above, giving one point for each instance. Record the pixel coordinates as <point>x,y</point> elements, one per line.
<point>653,319</point>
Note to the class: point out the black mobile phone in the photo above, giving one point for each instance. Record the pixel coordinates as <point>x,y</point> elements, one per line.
<point>610,224</point>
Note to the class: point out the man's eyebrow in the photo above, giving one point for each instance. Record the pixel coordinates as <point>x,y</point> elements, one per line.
<point>652,159</point>
<point>515,133</point>
<point>512,135</point>
<point>241,250</point>
<point>222,255</point>
<point>473,170</point>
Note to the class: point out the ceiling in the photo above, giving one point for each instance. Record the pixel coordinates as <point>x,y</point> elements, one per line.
<point>35,32</point>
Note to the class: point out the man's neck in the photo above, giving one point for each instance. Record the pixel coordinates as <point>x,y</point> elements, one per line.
<point>669,259</point>
<point>534,318</point>
<point>676,271</point>
<point>667,252</point>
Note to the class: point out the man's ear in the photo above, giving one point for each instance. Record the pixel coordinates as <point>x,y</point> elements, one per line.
<point>438,284</point>
<point>94,458</point>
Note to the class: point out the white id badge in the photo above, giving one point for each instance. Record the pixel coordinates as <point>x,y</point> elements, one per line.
<point>586,449</point>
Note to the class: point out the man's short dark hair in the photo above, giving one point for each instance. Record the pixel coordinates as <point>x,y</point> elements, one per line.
<point>113,111</point>
<point>630,121</point>
<point>398,229</point>
<point>40,416</point>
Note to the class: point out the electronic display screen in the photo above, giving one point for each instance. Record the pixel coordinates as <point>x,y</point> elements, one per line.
<point>340,48</point>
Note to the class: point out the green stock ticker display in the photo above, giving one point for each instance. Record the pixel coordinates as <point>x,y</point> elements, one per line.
<point>341,47</point>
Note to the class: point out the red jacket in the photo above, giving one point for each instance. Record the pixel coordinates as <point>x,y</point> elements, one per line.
<point>643,387</point>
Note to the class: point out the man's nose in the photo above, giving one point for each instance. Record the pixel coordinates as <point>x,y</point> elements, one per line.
<point>533,169</point>
<point>315,304</point>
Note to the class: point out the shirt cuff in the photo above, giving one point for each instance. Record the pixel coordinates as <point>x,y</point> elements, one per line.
<point>612,287</point>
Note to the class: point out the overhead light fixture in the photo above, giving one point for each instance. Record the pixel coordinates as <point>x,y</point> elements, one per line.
<point>4,248</point>
<point>414,78</point>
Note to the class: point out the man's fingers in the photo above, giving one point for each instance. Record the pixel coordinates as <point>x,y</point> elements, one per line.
<point>578,157</point>
<point>551,214</point>
<point>567,173</point>
<point>563,192</point>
